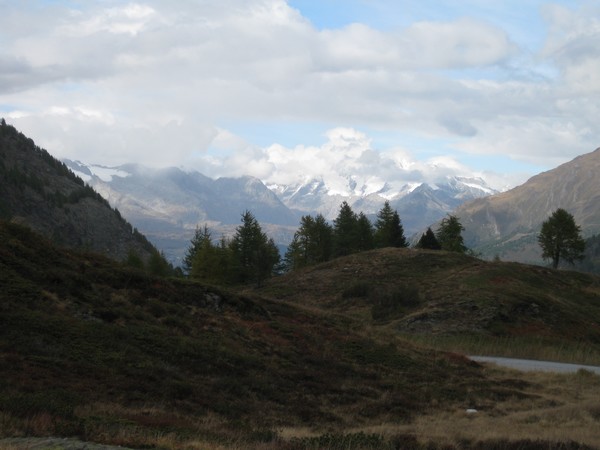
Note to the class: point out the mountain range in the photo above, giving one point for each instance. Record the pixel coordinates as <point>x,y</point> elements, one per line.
<point>80,205</point>
<point>168,204</point>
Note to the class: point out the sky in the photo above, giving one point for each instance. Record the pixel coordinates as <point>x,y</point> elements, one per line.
<point>286,90</point>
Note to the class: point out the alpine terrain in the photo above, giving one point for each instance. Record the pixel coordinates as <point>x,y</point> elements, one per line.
<point>507,224</point>
<point>168,204</point>
<point>41,192</point>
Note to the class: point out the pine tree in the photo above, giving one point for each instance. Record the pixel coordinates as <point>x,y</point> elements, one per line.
<point>345,231</point>
<point>312,243</point>
<point>254,254</point>
<point>293,258</point>
<point>201,235</point>
<point>364,233</point>
<point>389,231</point>
<point>322,236</point>
<point>158,264</point>
<point>429,241</point>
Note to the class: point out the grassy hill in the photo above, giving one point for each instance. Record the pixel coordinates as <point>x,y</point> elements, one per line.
<point>92,349</point>
<point>108,354</point>
<point>460,299</point>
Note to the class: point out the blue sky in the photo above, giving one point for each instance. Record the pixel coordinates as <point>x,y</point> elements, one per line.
<point>501,90</point>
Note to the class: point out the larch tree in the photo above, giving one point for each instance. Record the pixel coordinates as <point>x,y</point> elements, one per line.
<point>312,243</point>
<point>560,238</point>
<point>201,235</point>
<point>449,235</point>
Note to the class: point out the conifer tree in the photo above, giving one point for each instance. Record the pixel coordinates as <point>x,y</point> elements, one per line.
<point>364,233</point>
<point>254,255</point>
<point>429,241</point>
<point>389,231</point>
<point>449,235</point>
<point>311,243</point>
<point>345,231</point>
<point>560,238</point>
<point>158,264</point>
<point>201,235</point>
<point>322,237</point>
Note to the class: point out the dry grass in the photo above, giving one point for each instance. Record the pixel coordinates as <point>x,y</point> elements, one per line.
<point>557,408</point>
<point>547,407</point>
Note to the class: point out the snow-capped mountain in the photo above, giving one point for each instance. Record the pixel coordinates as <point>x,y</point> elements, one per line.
<point>418,203</point>
<point>167,204</point>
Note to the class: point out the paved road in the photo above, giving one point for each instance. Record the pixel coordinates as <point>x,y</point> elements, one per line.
<point>532,365</point>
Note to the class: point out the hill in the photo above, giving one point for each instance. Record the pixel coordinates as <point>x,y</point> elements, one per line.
<point>89,347</point>
<point>39,191</point>
<point>105,353</point>
<point>421,292</point>
<point>507,224</point>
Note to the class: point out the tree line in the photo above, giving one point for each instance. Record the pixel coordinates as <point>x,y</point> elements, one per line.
<point>250,256</point>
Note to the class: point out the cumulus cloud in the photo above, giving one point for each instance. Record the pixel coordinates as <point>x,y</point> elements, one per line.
<point>158,82</point>
<point>346,162</point>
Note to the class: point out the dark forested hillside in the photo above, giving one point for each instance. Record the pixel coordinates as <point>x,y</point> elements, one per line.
<point>41,192</point>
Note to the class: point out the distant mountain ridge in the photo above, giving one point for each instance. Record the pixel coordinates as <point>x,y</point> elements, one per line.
<point>419,203</point>
<point>39,191</point>
<point>168,204</point>
<point>507,223</point>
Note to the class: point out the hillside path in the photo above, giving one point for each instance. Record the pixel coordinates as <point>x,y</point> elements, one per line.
<point>528,365</point>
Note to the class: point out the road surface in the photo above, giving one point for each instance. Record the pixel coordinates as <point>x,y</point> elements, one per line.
<point>532,365</point>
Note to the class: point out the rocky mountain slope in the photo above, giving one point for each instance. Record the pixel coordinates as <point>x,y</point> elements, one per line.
<point>40,192</point>
<point>507,224</point>
<point>168,204</point>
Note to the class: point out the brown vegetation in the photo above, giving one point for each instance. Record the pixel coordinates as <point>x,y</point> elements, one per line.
<point>106,353</point>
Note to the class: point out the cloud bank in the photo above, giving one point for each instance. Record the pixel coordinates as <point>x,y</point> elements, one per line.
<point>169,84</point>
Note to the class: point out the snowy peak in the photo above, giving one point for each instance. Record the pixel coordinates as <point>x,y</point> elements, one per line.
<point>316,195</point>
<point>87,172</point>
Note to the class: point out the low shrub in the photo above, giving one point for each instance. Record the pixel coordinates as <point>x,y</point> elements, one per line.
<point>393,302</point>
<point>358,289</point>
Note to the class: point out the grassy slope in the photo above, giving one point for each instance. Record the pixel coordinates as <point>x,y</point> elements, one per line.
<point>98,351</point>
<point>92,349</point>
<point>436,293</point>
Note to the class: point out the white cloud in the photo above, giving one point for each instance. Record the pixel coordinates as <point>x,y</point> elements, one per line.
<point>129,19</point>
<point>347,154</point>
<point>162,82</point>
